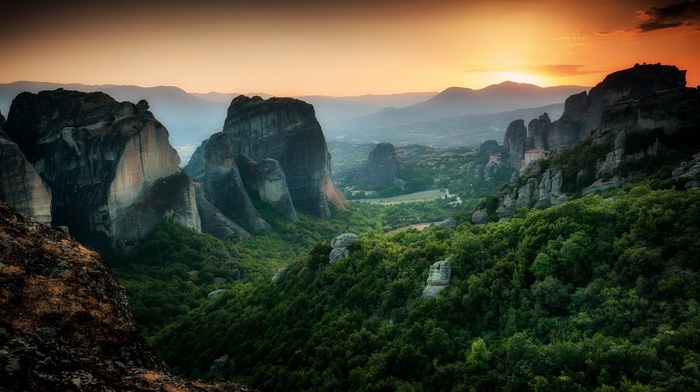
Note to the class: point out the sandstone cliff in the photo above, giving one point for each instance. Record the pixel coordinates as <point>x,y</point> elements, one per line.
<point>112,172</point>
<point>20,185</point>
<point>65,322</point>
<point>287,131</point>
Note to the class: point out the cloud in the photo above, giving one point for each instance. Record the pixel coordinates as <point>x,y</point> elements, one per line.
<point>670,16</point>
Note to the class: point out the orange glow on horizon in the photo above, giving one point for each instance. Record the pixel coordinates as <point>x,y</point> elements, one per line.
<point>339,49</point>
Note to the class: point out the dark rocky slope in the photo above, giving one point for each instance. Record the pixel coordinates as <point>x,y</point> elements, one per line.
<point>65,324</point>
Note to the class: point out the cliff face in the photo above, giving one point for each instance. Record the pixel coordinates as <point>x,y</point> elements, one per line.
<point>287,131</point>
<point>223,185</point>
<point>64,320</point>
<point>110,167</point>
<point>382,164</point>
<point>642,100</point>
<point>515,142</point>
<point>20,185</point>
<point>267,181</point>
<point>272,149</point>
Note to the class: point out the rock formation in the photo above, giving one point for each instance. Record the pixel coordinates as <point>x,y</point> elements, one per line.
<point>382,164</point>
<point>515,142</point>
<point>341,245</point>
<point>438,278</point>
<point>112,172</point>
<point>538,131</point>
<point>287,131</point>
<point>223,185</point>
<point>266,180</point>
<point>20,185</point>
<point>65,322</point>
<point>273,151</point>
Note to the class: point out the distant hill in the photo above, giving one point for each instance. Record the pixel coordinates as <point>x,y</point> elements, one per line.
<point>470,130</point>
<point>458,101</point>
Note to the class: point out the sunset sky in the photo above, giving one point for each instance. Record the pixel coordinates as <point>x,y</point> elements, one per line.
<point>343,47</point>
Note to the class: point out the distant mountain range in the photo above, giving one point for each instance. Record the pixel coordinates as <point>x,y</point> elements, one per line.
<point>444,118</point>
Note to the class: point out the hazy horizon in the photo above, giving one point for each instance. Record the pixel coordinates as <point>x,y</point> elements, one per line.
<point>343,48</point>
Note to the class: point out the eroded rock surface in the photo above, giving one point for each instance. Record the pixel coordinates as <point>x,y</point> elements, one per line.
<point>438,278</point>
<point>20,185</point>
<point>113,174</point>
<point>287,131</point>
<point>341,245</point>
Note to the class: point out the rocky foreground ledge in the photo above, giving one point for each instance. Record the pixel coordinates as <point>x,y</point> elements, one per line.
<point>65,324</point>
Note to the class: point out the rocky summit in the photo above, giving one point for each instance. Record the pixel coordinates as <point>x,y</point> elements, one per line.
<point>65,324</point>
<point>631,104</point>
<point>112,173</point>
<point>279,155</point>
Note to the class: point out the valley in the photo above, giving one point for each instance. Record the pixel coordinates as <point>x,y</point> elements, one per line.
<point>549,248</point>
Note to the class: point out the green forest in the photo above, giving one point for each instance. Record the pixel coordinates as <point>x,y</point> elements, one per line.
<point>599,293</point>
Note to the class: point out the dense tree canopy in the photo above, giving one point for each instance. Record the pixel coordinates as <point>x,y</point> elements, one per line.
<point>596,294</point>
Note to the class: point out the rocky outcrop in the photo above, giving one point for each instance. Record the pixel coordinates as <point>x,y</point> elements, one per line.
<point>529,191</point>
<point>480,217</point>
<point>438,278</point>
<point>266,180</point>
<point>112,172</point>
<point>341,245</point>
<point>287,131</point>
<point>20,185</point>
<point>628,85</point>
<point>223,185</point>
<point>213,221</point>
<point>550,190</point>
<point>65,322</point>
<point>538,131</point>
<point>515,142</point>
<point>613,158</point>
<point>382,164</point>
<point>689,171</point>
<point>567,129</point>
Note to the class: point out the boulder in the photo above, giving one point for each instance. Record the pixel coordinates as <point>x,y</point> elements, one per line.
<point>480,217</point>
<point>340,245</point>
<point>345,240</point>
<point>438,278</point>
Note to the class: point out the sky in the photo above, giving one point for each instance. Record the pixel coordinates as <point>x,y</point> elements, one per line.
<point>343,47</point>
